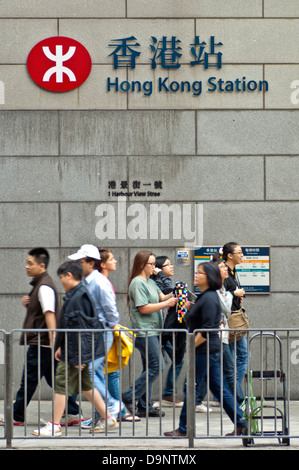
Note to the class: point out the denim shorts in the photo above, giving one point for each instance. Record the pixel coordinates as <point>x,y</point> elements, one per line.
<point>73,379</point>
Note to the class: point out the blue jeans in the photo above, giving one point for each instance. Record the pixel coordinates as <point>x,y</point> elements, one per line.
<point>229,373</point>
<point>112,392</point>
<point>215,387</point>
<point>242,356</point>
<point>154,361</point>
<point>169,387</point>
<point>228,377</point>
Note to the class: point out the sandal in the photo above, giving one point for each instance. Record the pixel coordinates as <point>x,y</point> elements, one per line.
<point>129,418</point>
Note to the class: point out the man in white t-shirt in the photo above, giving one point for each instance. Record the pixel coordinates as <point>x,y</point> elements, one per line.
<point>42,312</point>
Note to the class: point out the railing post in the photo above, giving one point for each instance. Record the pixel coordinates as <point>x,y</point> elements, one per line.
<point>8,390</point>
<point>190,388</point>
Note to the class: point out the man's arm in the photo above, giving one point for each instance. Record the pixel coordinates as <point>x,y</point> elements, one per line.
<point>46,297</point>
<point>50,318</point>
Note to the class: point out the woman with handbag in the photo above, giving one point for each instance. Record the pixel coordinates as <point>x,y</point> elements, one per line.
<point>232,256</point>
<point>205,315</point>
<point>225,298</point>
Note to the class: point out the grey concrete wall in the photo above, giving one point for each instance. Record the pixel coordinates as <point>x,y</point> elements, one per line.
<point>234,153</point>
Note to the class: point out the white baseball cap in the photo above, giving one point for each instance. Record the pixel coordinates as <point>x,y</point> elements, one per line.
<point>86,251</point>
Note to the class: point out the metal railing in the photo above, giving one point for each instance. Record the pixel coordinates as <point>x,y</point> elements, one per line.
<point>266,366</point>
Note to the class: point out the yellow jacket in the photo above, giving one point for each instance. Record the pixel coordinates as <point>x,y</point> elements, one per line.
<point>122,344</point>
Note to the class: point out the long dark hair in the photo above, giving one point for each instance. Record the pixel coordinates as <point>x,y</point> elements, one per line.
<point>213,275</point>
<point>139,263</point>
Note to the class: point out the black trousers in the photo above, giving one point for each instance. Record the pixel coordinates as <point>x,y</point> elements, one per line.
<point>34,372</point>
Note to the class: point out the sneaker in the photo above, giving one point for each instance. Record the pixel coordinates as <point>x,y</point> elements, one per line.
<point>86,424</point>
<point>18,423</point>
<point>202,409</point>
<point>15,423</point>
<point>50,430</point>
<point>101,425</point>
<point>70,420</point>
<point>171,401</point>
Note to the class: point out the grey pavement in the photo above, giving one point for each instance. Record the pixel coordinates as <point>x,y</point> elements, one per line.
<point>143,435</point>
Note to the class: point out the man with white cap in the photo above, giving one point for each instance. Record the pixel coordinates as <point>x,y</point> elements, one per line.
<point>87,256</point>
<point>86,251</point>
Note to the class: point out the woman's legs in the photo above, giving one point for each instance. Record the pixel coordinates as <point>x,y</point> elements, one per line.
<point>200,376</point>
<point>153,362</point>
<point>228,398</point>
<point>230,374</point>
<point>170,387</point>
<point>242,356</point>
<point>215,387</point>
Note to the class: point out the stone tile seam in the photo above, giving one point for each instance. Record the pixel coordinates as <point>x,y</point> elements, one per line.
<point>164,201</point>
<point>147,111</point>
<point>150,18</point>
<point>132,109</point>
<point>142,110</point>
<point>156,156</point>
<point>202,109</point>
<point>265,177</point>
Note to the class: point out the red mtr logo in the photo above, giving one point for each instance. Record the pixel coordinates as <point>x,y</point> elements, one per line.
<point>59,64</point>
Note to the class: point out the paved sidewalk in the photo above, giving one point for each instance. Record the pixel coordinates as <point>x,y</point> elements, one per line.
<point>145,436</point>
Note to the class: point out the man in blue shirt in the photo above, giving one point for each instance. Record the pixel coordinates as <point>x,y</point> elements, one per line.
<point>96,283</point>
